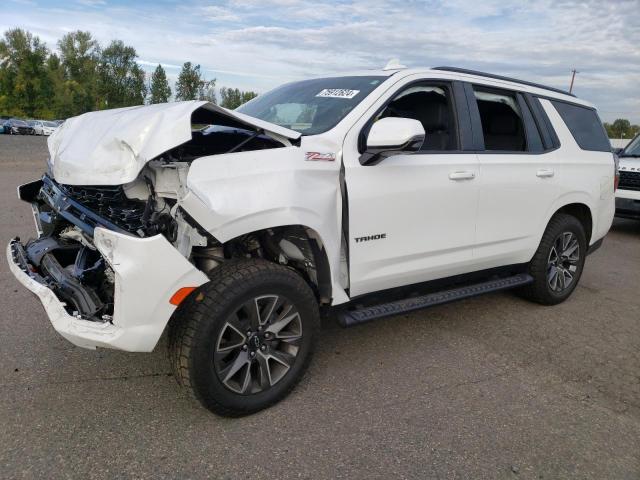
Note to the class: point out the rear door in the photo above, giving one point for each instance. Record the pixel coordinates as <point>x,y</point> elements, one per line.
<point>519,174</point>
<point>412,216</point>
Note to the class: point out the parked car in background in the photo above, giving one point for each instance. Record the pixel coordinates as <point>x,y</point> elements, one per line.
<point>49,127</point>
<point>4,127</point>
<point>19,127</point>
<point>36,125</point>
<point>628,193</point>
<point>43,127</point>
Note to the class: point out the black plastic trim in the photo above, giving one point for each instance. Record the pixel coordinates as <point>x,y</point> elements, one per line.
<point>28,192</point>
<point>547,131</point>
<point>69,288</point>
<point>349,318</point>
<point>531,131</point>
<point>595,246</point>
<point>73,211</point>
<point>462,116</point>
<point>474,114</point>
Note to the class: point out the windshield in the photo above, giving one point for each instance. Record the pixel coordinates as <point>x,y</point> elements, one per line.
<point>311,106</point>
<point>633,149</point>
<point>19,123</point>
<point>50,124</point>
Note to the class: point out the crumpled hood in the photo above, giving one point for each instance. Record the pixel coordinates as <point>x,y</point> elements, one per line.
<point>110,147</point>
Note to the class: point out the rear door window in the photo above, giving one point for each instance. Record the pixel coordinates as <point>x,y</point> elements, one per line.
<point>585,126</point>
<point>502,121</point>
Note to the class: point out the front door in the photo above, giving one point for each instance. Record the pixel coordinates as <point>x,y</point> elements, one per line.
<point>412,216</point>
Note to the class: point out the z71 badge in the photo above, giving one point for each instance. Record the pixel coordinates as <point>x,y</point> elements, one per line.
<point>320,157</point>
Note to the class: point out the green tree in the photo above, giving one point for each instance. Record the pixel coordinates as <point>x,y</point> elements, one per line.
<point>160,90</point>
<point>62,99</point>
<point>79,57</point>
<point>24,82</point>
<point>120,78</point>
<point>621,128</point>
<point>192,86</point>
<point>232,98</point>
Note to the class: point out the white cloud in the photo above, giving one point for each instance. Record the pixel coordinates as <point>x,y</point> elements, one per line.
<point>92,3</point>
<point>260,43</point>
<point>219,14</point>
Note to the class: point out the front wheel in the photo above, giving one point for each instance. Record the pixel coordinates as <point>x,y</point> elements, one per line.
<point>241,342</point>
<point>558,263</point>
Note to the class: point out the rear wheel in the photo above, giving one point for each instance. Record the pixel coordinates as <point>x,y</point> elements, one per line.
<point>243,341</point>
<point>558,263</point>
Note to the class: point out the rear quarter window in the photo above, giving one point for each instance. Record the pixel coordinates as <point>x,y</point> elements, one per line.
<point>585,126</point>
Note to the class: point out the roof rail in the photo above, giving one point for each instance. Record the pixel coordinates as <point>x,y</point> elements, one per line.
<point>500,77</point>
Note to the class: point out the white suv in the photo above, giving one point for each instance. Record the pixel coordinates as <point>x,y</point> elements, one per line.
<point>628,193</point>
<point>369,194</point>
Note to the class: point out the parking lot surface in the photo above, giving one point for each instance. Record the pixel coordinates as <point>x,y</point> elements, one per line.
<point>492,387</point>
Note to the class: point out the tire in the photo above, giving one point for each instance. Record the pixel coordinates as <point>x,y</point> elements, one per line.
<point>564,234</point>
<point>217,331</point>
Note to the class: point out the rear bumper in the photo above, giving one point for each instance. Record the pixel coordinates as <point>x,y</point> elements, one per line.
<point>148,271</point>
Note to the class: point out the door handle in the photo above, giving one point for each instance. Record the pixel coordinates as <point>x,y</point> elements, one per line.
<point>462,176</point>
<point>545,173</point>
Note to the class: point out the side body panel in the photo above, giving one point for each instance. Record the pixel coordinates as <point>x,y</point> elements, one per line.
<point>517,200</point>
<point>588,178</point>
<point>427,219</point>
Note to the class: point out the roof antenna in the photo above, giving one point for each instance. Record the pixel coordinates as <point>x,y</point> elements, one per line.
<point>394,64</point>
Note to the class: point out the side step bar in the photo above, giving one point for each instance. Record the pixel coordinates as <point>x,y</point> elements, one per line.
<point>348,318</point>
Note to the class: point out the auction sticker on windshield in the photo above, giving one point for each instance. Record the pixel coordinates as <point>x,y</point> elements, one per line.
<point>338,93</point>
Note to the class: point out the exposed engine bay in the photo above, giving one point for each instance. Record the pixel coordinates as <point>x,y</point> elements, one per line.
<point>65,259</point>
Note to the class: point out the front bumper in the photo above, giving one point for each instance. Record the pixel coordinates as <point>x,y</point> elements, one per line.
<point>628,204</point>
<point>148,271</point>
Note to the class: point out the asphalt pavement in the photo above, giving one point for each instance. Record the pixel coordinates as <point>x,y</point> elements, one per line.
<point>492,387</point>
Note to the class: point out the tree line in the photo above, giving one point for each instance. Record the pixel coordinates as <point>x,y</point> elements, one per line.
<point>621,128</point>
<point>83,76</point>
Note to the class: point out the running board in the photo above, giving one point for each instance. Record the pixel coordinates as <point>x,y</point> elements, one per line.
<point>348,318</point>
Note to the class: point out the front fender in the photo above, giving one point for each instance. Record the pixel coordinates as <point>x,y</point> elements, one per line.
<point>234,194</point>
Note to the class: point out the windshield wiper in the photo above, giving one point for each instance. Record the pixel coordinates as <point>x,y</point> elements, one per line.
<point>634,155</point>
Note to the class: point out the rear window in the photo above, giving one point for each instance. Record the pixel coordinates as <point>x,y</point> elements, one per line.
<point>585,126</point>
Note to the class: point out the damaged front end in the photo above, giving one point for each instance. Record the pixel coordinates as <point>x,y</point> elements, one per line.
<point>104,265</point>
<point>114,243</point>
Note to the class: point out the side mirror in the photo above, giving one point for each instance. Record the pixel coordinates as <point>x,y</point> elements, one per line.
<point>391,136</point>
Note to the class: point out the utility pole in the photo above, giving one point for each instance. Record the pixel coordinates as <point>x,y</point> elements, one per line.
<point>573,77</point>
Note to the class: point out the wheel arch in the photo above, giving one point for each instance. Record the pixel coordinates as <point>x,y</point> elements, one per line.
<point>304,251</point>
<point>578,204</point>
<point>582,213</point>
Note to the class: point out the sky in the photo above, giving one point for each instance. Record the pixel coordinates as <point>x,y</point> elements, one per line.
<point>259,44</point>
